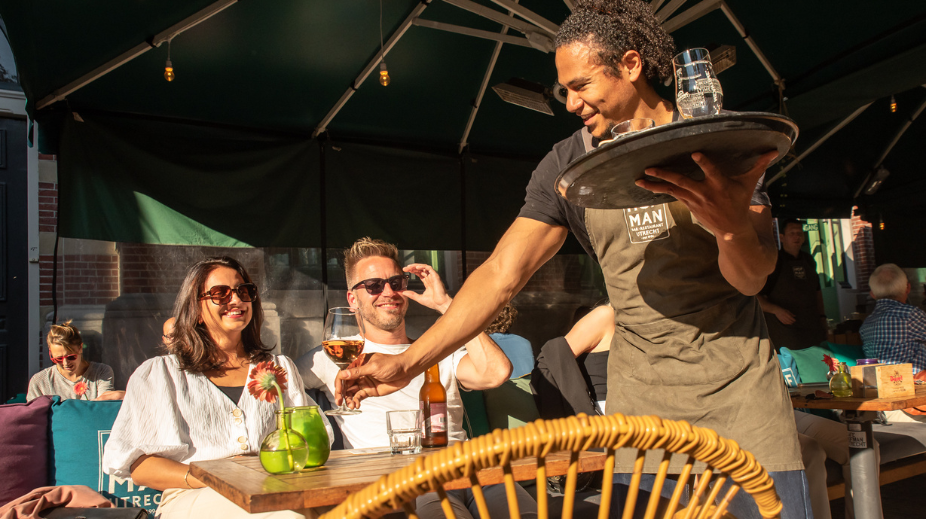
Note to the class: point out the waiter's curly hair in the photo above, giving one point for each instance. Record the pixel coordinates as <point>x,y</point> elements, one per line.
<point>613,27</point>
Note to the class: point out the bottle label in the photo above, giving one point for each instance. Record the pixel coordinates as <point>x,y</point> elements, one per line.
<point>437,421</point>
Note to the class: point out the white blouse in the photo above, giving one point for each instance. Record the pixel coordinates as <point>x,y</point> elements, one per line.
<point>184,417</point>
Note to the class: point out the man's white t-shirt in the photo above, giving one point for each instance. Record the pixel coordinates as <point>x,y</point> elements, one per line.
<point>368,429</point>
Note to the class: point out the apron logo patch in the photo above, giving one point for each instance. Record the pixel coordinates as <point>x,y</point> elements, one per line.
<point>799,272</point>
<point>648,223</point>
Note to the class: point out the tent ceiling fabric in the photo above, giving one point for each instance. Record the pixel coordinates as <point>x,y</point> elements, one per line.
<point>282,66</point>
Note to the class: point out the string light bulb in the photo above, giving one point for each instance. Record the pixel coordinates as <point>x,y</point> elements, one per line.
<point>383,74</point>
<point>881,222</point>
<point>384,78</point>
<point>893,105</point>
<point>169,67</point>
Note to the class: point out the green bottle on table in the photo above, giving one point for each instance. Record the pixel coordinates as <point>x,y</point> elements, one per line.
<point>841,383</point>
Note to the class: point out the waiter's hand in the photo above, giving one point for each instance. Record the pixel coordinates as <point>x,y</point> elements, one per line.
<point>721,203</point>
<point>371,375</point>
<point>783,315</point>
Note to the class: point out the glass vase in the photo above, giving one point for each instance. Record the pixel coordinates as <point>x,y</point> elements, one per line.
<point>308,422</point>
<point>841,383</point>
<point>284,450</point>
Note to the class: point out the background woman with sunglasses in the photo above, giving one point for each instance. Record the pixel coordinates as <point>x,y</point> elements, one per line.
<point>192,405</point>
<point>65,347</point>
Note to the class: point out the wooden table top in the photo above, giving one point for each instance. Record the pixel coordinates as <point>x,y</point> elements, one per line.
<point>860,404</point>
<point>244,482</point>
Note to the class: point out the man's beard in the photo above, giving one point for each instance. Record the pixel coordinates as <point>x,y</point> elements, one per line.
<point>387,322</point>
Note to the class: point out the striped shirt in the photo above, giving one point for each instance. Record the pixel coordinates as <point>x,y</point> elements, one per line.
<point>184,417</point>
<point>50,381</point>
<point>895,333</point>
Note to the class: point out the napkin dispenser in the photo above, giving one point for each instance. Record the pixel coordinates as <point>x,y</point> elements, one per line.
<point>882,380</point>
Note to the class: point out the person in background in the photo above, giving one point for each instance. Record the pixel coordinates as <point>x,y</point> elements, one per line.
<point>72,376</point>
<point>378,289</point>
<point>516,348</point>
<point>191,404</point>
<point>895,332</point>
<point>791,298</point>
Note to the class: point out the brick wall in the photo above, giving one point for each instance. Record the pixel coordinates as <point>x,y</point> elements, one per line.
<point>864,251</point>
<point>83,279</point>
<point>161,268</point>
<point>48,206</point>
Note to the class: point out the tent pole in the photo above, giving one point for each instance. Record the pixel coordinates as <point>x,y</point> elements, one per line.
<point>668,10</point>
<point>134,52</point>
<point>478,33</point>
<point>752,45</point>
<point>482,90</point>
<point>817,144</point>
<point>323,125</point>
<point>495,16</point>
<point>532,17</point>
<point>690,15</point>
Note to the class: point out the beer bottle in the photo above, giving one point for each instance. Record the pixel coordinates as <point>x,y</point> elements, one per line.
<point>432,400</point>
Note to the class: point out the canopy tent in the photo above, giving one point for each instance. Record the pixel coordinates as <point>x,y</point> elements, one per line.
<point>276,114</point>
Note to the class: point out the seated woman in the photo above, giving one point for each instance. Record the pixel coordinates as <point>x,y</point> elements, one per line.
<point>72,376</point>
<point>190,405</point>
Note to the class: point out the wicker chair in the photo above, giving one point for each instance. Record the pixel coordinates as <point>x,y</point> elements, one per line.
<point>575,434</point>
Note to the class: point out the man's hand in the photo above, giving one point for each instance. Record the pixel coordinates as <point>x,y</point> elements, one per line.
<point>786,317</point>
<point>435,295</point>
<point>112,395</point>
<point>371,375</point>
<point>720,202</point>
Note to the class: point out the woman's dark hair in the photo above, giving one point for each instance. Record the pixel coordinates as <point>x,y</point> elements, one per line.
<point>613,27</point>
<point>190,340</point>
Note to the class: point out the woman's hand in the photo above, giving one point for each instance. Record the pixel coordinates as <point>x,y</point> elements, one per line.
<point>111,395</point>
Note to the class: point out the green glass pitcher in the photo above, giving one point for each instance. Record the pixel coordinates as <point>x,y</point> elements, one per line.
<point>307,421</point>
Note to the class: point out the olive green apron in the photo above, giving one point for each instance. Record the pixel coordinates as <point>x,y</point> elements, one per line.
<point>687,345</point>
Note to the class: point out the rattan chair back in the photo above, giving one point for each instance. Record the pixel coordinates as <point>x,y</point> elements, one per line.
<point>724,459</point>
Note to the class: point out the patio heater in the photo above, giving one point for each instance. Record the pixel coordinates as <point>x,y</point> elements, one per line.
<point>530,95</point>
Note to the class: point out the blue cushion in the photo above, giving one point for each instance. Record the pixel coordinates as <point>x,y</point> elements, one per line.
<point>79,430</point>
<point>789,368</point>
<point>519,352</point>
<point>810,360</point>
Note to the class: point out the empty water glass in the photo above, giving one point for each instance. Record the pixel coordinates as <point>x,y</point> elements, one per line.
<point>631,125</point>
<point>404,429</point>
<point>697,90</point>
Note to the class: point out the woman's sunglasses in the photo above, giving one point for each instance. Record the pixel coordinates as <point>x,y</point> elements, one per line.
<point>58,360</point>
<point>375,286</point>
<point>222,294</point>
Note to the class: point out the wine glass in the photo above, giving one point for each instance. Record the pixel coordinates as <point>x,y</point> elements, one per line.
<point>697,90</point>
<point>343,343</point>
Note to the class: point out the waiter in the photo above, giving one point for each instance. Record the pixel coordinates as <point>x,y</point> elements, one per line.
<point>690,341</point>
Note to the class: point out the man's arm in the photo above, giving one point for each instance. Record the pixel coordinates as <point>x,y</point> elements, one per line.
<point>526,246</point>
<point>746,246</point>
<point>780,312</point>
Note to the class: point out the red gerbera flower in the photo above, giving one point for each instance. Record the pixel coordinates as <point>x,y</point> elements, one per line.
<point>80,388</point>
<point>268,381</point>
<point>830,362</point>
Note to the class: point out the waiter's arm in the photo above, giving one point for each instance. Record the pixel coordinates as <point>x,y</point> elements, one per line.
<point>524,248</point>
<point>721,203</point>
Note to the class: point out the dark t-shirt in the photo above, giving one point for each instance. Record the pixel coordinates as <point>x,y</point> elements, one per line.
<point>793,286</point>
<point>544,204</point>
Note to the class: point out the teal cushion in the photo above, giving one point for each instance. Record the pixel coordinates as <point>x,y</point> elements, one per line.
<point>511,404</point>
<point>475,418</point>
<point>789,368</point>
<point>79,430</point>
<point>20,398</point>
<point>810,363</point>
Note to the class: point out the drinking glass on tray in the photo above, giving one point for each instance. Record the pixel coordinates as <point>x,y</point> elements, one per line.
<point>697,90</point>
<point>343,343</point>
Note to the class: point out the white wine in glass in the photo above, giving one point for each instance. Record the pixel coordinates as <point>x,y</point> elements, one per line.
<point>343,343</point>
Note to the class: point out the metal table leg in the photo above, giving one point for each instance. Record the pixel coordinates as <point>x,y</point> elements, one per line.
<point>863,465</point>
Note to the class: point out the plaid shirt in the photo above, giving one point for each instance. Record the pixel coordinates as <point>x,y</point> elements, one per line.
<point>895,333</point>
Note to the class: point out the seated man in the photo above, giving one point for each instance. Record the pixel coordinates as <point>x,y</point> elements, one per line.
<point>377,288</point>
<point>895,332</point>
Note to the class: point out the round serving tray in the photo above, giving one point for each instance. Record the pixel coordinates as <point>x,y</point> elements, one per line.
<point>604,178</point>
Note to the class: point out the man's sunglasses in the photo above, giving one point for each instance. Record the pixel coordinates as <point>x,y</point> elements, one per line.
<point>375,286</point>
<point>222,294</point>
<point>59,360</point>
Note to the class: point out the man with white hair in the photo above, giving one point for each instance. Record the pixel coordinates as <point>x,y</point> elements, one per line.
<point>895,332</point>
